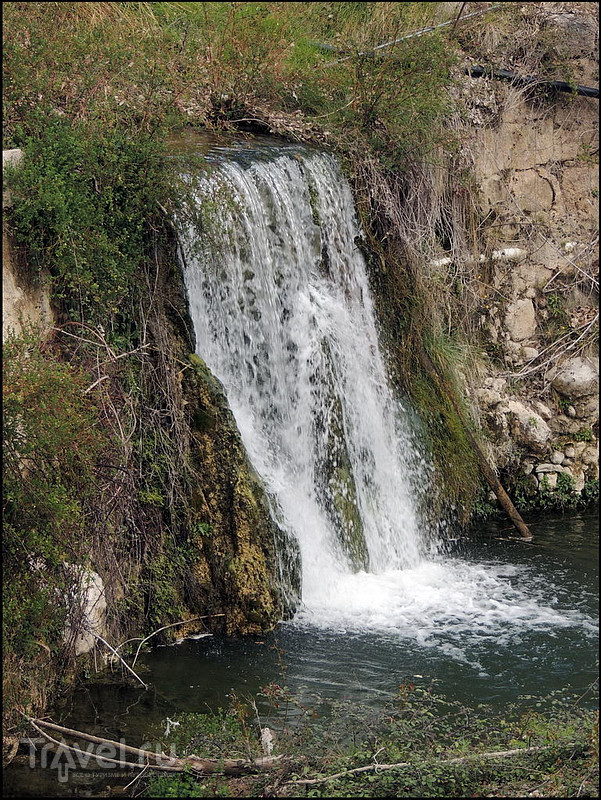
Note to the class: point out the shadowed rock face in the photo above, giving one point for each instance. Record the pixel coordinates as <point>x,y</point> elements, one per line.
<point>237,563</point>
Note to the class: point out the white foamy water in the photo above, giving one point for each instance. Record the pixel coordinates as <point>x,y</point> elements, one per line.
<point>283,316</point>
<point>459,607</point>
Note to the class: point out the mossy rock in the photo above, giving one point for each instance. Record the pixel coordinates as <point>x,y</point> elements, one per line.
<point>240,549</point>
<point>336,488</point>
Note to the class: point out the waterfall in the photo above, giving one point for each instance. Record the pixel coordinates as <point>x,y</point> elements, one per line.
<point>283,316</point>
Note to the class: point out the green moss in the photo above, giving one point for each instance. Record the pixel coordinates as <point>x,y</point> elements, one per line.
<point>336,483</point>
<point>347,520</point>
<point>456,463</point>
<point>240,550</point>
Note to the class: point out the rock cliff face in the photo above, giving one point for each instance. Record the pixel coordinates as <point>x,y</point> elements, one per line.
<point>236,562</point>
<point>535,159</point>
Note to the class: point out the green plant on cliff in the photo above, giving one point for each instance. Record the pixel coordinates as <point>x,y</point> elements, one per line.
<point>584,435</point>
<point>83,199</point>
<point>560,498</point>
<point>54,439</point>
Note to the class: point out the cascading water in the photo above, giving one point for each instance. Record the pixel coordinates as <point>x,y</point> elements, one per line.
<point>282,312</point>
<point>283,316</point>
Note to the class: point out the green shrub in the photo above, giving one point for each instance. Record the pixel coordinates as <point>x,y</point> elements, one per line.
<point>83,199</point>
<point>53,439</point>
<point>562,497</point>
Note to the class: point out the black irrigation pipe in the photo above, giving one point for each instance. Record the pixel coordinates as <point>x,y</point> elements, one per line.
<point>518,80</point>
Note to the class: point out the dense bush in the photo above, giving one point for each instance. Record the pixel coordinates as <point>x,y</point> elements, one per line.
<point>53,441</point>
<point>83,200</point>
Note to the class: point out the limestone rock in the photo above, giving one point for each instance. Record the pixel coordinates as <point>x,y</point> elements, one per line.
<point>592,470</point>
<point>579,482</point>
<point>520,320</point>
<point>557,457</point>
<point>10,158</point>
<point>531,191</point>
<point>543,410</point>
<point>87,614</point>
<point>22,303</point>
<point>587,408</point>
<point>488,397</point>
<point>528,427</point>
<point>577,377</point>
<point>563,425</point>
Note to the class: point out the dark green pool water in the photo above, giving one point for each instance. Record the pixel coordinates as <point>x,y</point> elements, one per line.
<point>537,636</point>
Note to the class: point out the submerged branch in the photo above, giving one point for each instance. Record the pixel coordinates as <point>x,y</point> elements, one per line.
<point>164,628</point>
<point>121,659</point>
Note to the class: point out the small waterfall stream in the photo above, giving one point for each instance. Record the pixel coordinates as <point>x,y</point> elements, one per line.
<point>283,317</point>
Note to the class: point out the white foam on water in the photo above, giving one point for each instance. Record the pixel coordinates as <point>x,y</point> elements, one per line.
<point>467,600</point>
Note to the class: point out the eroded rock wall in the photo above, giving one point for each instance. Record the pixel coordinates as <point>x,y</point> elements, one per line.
<point>535,160</point>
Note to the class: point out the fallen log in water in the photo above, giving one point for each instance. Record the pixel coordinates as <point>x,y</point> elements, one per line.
<point>159,761</point>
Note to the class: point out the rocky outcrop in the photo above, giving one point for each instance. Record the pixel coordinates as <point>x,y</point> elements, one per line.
<point>520,320</point>
<point>577,378</point>
<point>236,564</point>
<point>535,161</point>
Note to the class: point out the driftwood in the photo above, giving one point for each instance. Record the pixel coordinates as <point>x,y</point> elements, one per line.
<point>457,760</point>
<point>158,761</point>
<point>487,471</point>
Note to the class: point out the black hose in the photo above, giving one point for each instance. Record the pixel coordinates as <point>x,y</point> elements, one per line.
<point>526,80</point>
